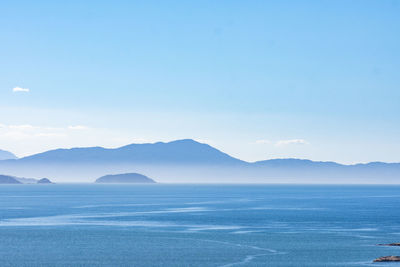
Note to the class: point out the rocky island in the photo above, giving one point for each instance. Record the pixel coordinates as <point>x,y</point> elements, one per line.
<point>388,259</point>
<point>125,178</point>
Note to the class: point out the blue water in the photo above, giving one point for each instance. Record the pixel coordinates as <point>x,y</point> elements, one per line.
<point>197,225</point>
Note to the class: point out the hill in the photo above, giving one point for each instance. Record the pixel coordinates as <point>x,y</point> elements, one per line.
<point>44,181</point>
<point>6,155</point>
<point>5,179</point>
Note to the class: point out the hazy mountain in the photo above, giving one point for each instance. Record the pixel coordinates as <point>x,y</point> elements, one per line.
<point>190,161</point>
<point>27,180</point>
<point>125,178</point>
<point>307,171</point>
<point>6,155</point>
<point>6,179</point>
<point>185,151</point>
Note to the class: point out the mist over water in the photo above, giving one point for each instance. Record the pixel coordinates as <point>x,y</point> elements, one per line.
<point>197,225</point>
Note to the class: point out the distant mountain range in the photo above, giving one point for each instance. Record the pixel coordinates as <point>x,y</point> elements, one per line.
<point>188,161</point>
<point>6,155</point>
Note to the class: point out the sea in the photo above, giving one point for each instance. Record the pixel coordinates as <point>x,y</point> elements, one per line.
<point>197,225</point>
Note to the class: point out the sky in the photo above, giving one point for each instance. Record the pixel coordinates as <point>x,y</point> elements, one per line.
<point>255,79</point>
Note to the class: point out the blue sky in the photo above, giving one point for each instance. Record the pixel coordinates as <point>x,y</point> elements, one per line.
<point>256,79</point>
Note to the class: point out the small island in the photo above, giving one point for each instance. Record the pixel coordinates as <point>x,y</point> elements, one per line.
<point>44,181</point>
<point>8,179</point>
<point>388,259</point>
<point>125,178</point>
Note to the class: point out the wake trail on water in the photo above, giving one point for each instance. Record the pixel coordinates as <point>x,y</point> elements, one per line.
<point>247,259</point>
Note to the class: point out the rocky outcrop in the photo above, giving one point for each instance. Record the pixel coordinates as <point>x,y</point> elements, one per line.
<point>388,259</point>
<point>390,244</point>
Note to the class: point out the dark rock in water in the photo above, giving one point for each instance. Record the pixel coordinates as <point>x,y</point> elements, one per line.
<point>44,181</point>
<point>388,259</point>
<point>125,178</point>
<point>390,245</point>
<point>6,179</point>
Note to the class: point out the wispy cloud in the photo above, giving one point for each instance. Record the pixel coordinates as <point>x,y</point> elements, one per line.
<point>263,141</point>
<point>78,127</point>
<point>291,142</point>
<point>28,132</point>
<point>20,89</point>
<point>50,135</point>
<point>21,127</point>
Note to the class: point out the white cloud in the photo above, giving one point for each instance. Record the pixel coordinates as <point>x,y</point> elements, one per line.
<point>20,89</point>
<point>291,142</point>
<point>14,135</point>
<point>50,135</point>
<point>78,127</point>
<point>21,127</point>
<point>29,132</point>
<point>263,141</point>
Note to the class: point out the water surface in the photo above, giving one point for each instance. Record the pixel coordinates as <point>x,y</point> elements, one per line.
<point>197,225</point>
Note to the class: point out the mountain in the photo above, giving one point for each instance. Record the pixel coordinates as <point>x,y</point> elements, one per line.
<point>125,178</point>
<point>5,179</point>
<point>188,161</point>
<point>185,151</point>
<point>307,171</point>
<point>177,161</point>
<point>6,155</point>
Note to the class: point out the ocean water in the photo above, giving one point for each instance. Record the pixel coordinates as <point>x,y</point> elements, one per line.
<point>197,225</point>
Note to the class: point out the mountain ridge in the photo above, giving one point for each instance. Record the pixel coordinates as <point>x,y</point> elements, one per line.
<point>187,160</point>
<point>186,148</point>
<point>97,149</point>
